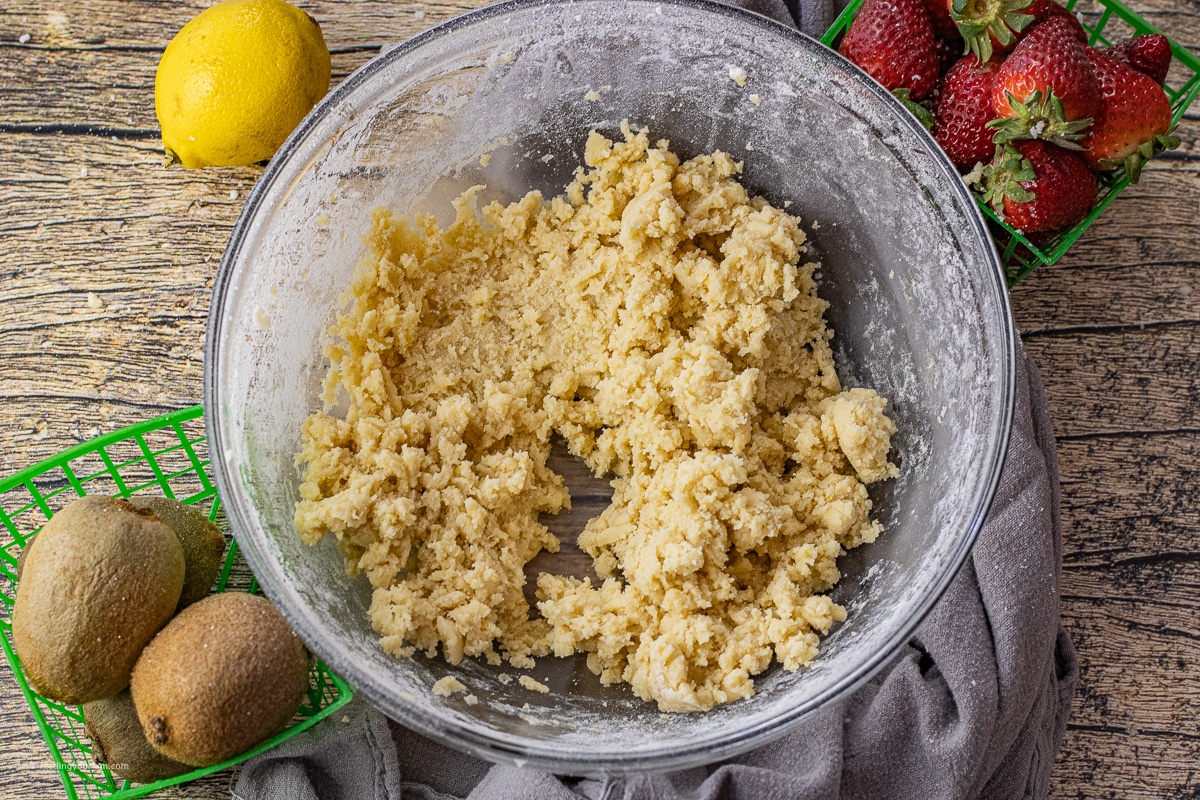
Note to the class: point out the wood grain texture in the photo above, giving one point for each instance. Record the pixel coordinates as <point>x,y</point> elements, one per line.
<point>107,262</point>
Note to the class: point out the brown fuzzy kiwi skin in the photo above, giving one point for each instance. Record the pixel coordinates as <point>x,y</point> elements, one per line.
<point>225,675</point>
<point>99,581</point>
<point>23,554</point>
<point>118,742</point>
<point>203,544</point>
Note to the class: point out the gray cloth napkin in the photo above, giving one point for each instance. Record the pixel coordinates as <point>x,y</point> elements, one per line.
<point>974,706</point>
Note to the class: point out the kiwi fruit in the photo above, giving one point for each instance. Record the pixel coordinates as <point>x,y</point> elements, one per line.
<point>99,581</point>
<point>119,743</point>
<point>203,545</point>
<point>222,677</point>
<point>21,556</point>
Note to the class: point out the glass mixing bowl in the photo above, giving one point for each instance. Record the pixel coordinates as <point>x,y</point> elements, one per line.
<point>916,293</point>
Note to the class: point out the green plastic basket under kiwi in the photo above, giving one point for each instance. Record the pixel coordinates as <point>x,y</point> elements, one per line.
<point>162,457</point>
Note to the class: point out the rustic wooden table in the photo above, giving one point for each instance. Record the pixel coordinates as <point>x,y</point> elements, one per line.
<point>107,260</point>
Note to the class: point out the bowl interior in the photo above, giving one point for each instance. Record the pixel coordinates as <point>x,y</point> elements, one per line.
<point>918,307</point>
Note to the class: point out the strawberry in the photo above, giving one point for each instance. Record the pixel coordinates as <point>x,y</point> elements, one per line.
<point>893,42</point>
<point>1004,21</point>
<point>1046,88</point>
<point>989,26</point>
<point>1149,54</point>
<point>1133,123</point>
<point>1037,187</point>
<point>963,110</point>
<point>1042,10</point>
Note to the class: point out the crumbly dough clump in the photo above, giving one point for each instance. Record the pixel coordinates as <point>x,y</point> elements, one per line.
<point>659,320</point>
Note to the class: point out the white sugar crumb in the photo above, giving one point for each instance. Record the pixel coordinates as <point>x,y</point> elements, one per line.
<point>447,686</point>
<point>1185,290</point>
<point>592,96</point>
<point>788,204</point>
<point>749,147</point>
<point>1036,130</point>
<point>504,678</point>
<point>532,685</point>
<point>485,159</point>
<point>233,194</point>
<point>737,75</point>
<point>261,319</point>
<point>23,38</point>
<point>418,15</point>
<point>891,274</point>
<point>471,700</point>
<point>83,172</point>
<point>345,720</point>
<point>942,415</point>
<point>94,301</point>
<point>531,96</point>
<point>546,159</point>
<point>756,100</point>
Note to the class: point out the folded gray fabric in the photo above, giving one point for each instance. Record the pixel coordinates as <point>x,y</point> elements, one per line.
<point>975,705</point>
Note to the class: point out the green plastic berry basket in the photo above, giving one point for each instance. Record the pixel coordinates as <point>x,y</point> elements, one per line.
<point>1106,21</point>
<point>167,456</point>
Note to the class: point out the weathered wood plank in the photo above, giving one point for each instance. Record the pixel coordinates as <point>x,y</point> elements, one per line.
<point>1125,764</point>
<point>1163,640</point>
<point>1127,381</point>
<point>108,56</point>
<point>141,25</point>
<point>1130,579</point>
<point>108,274</point>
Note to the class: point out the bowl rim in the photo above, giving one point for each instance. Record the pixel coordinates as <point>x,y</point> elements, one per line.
<point>495,748</point>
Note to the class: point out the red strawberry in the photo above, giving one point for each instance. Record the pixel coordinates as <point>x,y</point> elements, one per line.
<point>1134,120</point>
<point>893,42</point>
<point>963,111</point>
<point>1046,88</point>
<point>989,26</point>
<point>1035,186</point>
<point>1149,55</point>
<point>1004,22</point>
<point>943,24</point>
<point>1042,10</point>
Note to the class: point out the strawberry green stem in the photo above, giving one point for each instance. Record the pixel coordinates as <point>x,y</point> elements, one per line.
<point>1040,118</point>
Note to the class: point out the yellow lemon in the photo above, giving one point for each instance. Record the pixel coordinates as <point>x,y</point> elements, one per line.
<point>237,80</point>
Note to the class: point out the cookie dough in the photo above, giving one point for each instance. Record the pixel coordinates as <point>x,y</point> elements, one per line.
<point>657,318</point>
